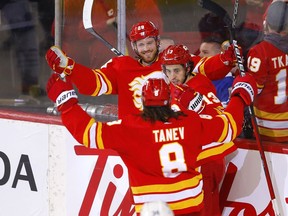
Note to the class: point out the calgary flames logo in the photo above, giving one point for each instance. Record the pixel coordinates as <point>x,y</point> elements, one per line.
<point>137,83</point>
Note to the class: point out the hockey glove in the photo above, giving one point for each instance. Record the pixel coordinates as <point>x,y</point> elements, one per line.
<point>227,56</point>
<point>58,61</point>
<point>188,98</point>
<point>61,93</point>
<point>245,87</point>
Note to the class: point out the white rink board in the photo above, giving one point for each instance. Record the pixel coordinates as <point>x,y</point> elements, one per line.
<point>249,191</point>
<point>23,143</point>
<point>70,182</point>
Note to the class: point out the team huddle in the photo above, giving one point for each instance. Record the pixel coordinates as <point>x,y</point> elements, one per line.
<point>167,102</point>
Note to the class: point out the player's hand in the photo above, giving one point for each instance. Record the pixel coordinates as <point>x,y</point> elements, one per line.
<point>111,21</point>
<point>245,87</point>
<point>61,93</point>
<point>58,61</point>
<point>227,55</point>
<point>188,98</point>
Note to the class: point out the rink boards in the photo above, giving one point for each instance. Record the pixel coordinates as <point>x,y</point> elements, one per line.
<point>44,171</point>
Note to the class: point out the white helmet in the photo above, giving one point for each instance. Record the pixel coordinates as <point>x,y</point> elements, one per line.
<point>156,208</point>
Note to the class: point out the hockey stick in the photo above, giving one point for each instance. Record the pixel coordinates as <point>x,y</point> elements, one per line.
<point>111,21</point>
<point>252,114</point>
<point>218,10</point>
<point>87,22</point>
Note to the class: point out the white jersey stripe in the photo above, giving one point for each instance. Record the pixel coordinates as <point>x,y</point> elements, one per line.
<point>92,134</point>
<point>171,197</point>
<point>272,124</point>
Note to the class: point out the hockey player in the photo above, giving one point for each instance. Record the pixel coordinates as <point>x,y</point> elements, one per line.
<point>178,66</point>
<point>125,75</point>
<point>211,46</point>
<point>268,63</point>
<point>159,146</point>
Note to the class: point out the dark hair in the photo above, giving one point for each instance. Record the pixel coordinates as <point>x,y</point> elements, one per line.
<point>189,72</point>
<point>213,39</point>
<point>210,24</point>
<point>160,113</point>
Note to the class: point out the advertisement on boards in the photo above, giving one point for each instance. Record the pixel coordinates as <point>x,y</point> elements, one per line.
<point>44,171</point>
<point>23,168</point>
<point>244,190</point>
<point>98,183</point>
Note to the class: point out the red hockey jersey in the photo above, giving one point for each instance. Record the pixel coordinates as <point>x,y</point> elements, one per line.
<point>269,66</point>
<point>125,76</point>
<point>212,106</point>
<point>161,157</point>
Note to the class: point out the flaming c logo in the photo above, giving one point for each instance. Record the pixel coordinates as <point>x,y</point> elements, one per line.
<point>137,83</point>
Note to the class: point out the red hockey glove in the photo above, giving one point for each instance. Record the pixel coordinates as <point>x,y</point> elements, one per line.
<point>245,87</point>
<point>58,61</point>
<point>227,56</point>
<point>61,93</point>
<point>188,98</point>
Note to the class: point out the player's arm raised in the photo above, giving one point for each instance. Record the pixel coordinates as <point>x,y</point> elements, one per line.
<point>244,90</point>
<point>88,81</point>
<point>226,126</point>
<point>218,66</point>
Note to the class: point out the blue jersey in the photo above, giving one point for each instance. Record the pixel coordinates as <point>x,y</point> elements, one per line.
<point>223,88</point>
